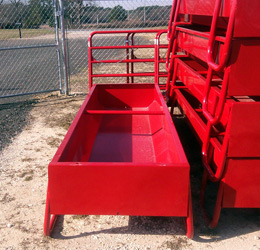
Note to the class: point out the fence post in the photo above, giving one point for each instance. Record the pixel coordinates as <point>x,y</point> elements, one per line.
<point>57,41</point>
<point>64,49</point>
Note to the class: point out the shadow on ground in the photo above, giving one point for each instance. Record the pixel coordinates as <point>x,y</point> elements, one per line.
<point>13,118</point>
<point>233,222</point>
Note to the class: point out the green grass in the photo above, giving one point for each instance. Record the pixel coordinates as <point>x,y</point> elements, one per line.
<point>6,34</point>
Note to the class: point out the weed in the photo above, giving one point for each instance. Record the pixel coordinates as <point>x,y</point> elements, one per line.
<point>41,167</point>
<point>62,121</point>
<point>27,159</point>
<point>54,142</point>
<point>28,178</point>
<point>30,172</point>
<point>7,198</point>
<point>79,216</point>
<point>177,243</point>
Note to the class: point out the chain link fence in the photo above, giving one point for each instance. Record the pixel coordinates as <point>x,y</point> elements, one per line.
<point>82,18</point>
<point>31,49</point>
<point>28,47</point>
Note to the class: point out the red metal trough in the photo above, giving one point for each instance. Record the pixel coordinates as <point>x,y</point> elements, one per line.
<point>121,156</point>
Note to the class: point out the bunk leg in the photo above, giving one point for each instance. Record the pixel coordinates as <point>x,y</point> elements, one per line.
<point>172,94</point>
<point>212,222</point>
<point>173,103</point>
<point>189,219</point>
<point>49,220</point>
<point>171,80</point>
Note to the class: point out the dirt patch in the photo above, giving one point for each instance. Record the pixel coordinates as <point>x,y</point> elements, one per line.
<point>176,243</point>
<point>13,118</point>
<point>63,121</point>
<point>53,141</point>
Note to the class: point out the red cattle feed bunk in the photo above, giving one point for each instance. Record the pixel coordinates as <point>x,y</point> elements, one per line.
<point>213,65</point>
<point>113,160</point>
<point>122,154</point>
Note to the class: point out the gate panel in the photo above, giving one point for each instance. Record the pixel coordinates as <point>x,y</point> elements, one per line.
<point>82,19</point>
<point>29,48</point>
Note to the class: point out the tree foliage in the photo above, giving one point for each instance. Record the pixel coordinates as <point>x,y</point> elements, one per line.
<point>30,15</point>
<point>118,13</point>
<point>34,13</point>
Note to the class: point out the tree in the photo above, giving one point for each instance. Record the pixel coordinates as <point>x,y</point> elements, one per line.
<point>11,13</point>
<point>38,12</point>
<point>118,13</point>
<point>33,16</point>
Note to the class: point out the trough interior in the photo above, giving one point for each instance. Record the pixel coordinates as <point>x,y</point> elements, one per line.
<point>144,138</point>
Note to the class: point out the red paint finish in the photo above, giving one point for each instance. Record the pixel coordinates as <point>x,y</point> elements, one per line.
<point>192,43</point>
<point>217,87</point>
<point>244,75</point>
<point>119,189</point>
<point>199,7</point>
<point>245,130</point>
<point>241,183</point>
<point>247,19</point>
<point>244,56</point>
<point>121,156</point>
<point>247,14</point>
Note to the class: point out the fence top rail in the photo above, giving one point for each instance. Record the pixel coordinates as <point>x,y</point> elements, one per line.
<point>127,31</point>
<point>29,47</point>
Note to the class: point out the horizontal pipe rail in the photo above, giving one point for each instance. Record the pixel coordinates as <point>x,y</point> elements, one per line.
<point>124,32</point>
<point>130,74</point>
<point>124,47</point>
<point>29,47</point>
<point>123,61</point>
<point>123,75</point>
<point>30,93</point>
<point>124,112</point>
<point>200,34</point>
<point>163,74</point>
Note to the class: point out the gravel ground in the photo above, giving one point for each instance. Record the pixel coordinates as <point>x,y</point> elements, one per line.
<point>31,131</point>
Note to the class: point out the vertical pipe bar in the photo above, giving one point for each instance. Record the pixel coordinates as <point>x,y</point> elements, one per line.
<point>172,37</point>
<point>90,58</point>
<point>212,35</point>
<point>171,20</point>
<point>156,59</point>
<point>127,57</point>
<point>132,57</point>
<point>173,80</point>
<point>64,50</point>
<point>57,41</point>
<point>171,70</point>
